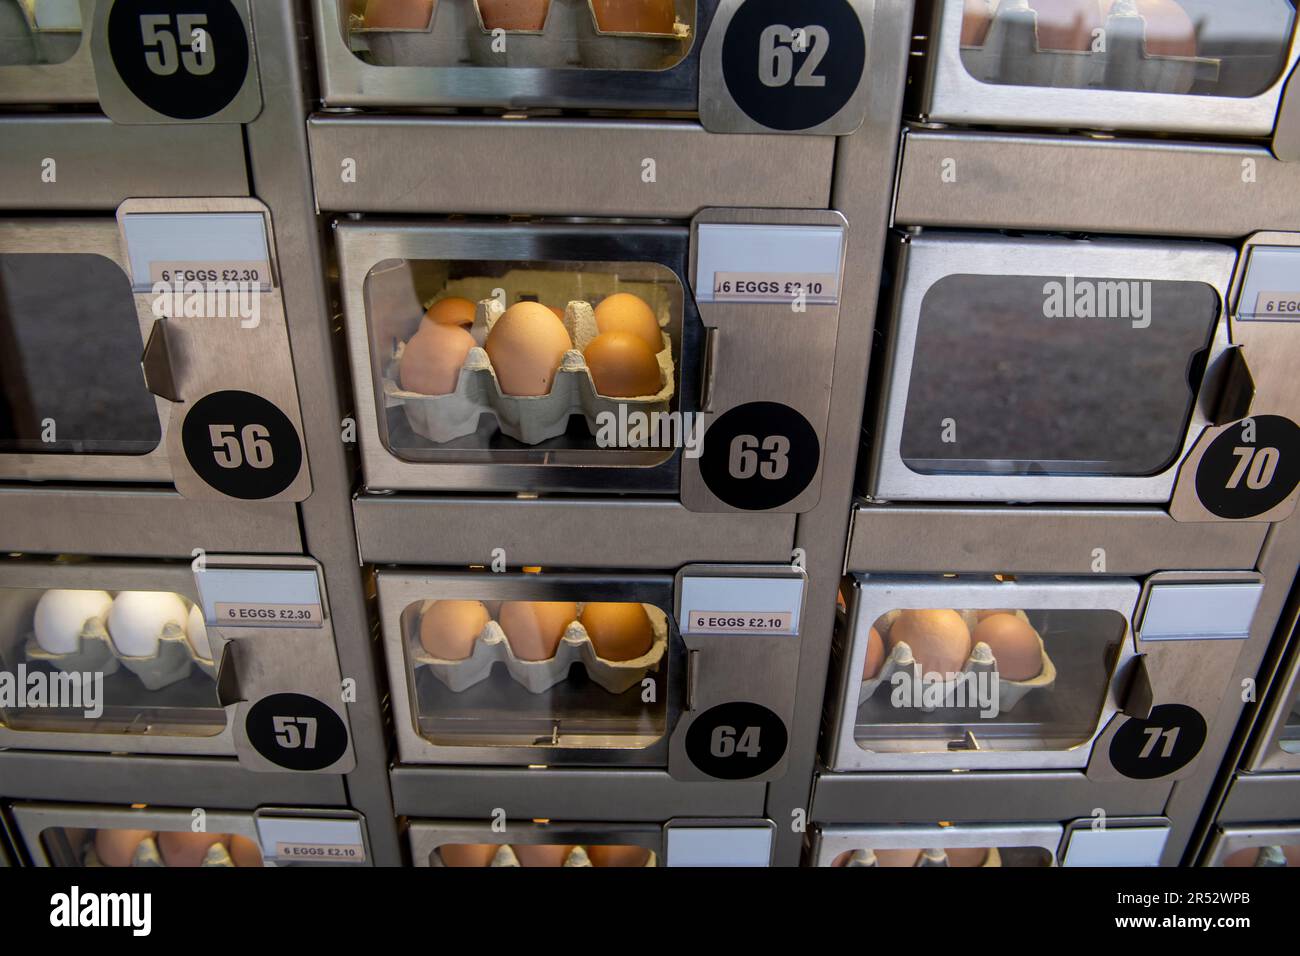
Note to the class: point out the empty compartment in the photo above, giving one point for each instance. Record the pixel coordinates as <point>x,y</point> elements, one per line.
<point>39,32</point>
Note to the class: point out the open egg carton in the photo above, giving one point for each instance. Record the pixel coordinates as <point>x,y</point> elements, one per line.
<point>981,660</point>
<point>97,653</point>
<point>506,857</point>
<point>928,857</point>
<point>575,646</point>
<point>569,37</point>
<point>527,419</point>
<point>1012,54</point>
<point>147,854</point>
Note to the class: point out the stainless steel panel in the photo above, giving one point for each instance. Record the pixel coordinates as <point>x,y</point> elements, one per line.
<point>1265,753</point>
<point>553,167</point>
<point>599,795</point>
<point>1101,185</point>
<point>829,842</point>
<point>1261,798</point>
<point>1133,541</point>
<point>142,523</point>
<point>100,164</point>
<point>977,797</point>
<point>1227,840</point>
<point>426,836</point>
<point>174,781</point>
<point>954,95</point>
<point>72,81</point>
<point>566,533</point>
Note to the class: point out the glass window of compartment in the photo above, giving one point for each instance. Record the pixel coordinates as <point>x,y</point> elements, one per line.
<point>519,854</point>
<point>548,674</point>
<point>646,35</point>
<point>1188,47</point>
<point>107,662</point>
<point>991,856</point>
<point>1280,854</point>
<point>958,679</point>
<point>70,377</point>
<point>38,32</point>
<point>526,362</point>
<point>1034,375</point>
<point>125,847</point>
<point>1289,737</point>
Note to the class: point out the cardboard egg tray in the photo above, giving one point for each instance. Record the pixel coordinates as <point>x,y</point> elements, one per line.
<point>929,857</point>
<point>1009,56</point>
<point>443,418</point>
<point>147,854</point>
<point>506,857</point>
<point>569,38</point>
<point>539,676</point>
<point>98,654</point>
<point>1010,692</point>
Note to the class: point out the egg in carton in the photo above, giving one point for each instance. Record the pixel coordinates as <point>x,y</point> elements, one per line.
<point>577,857</point>
<point>981,660</point>
<point>147,854</point>
<point>56,626</point>
<point>528,419</point>
<point>575,645</point>
<point>1011,53</point>
<point>623,47</point>
<point>928,858</point>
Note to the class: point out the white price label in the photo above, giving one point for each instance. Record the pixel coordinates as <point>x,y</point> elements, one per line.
<point>1276,305</point>
<point>269,615</point>
<point>733,622</point>
<point>773,287</point>
<point>214,275</point>
<point>319,853</point>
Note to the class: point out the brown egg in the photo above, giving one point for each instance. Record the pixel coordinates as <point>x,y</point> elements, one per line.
<point>625,312</point>
<point>1292,854</point>
<point>432,360</point>
<point>468,854</point>
<point>981,615</point>
<point>244,851</point>
<point>541,855</point>
<point>967,856</point>
<point>1014,644</point>
<point>534,628</point>
<point>448,629</point>
<point>618,855</point>
<point>526,346</point>
<point>939,639</point>
<point>897,857</point>
<point>1169,31</point>
<point>977,17</point>
<point>559,313</point>
<point>117,847</point>
<point>185,848</point>
<point>619,632</point>
<point>1067,24</point>
<point>843,858</point>
<point>452,310</point>
<point>875,655</point>
<point>622,366</point>
<point>1246,857</point>
<point>398,14</point>
<point>634,16</point>
<point>513,14</point>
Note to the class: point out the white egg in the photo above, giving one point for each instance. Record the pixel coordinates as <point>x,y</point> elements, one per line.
<point>197,631</point>
<point>138,618</point>
<point>61,615</point>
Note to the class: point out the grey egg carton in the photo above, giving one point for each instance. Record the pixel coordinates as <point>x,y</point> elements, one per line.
<point>981,660</point>
<point>1000,60</point>
<point>929,857</point>
<point>147,854</point>
<point>539,676</point>
<point>98,654</point>
<point>568,38</point>
<point>505,857</point>
<point>443,418</point>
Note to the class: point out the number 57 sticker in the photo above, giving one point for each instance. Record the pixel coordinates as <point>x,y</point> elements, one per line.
<point>296,732</point>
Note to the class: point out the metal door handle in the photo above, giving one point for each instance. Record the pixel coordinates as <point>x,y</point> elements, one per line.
<point>228,689</point>
<point>158,363</point>
<point>1238,392</point>
<point>1140,696</point>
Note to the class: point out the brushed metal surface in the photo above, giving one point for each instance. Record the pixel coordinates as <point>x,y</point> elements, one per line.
<point>560,532</point>
<point>100,164</point>
<point>829,842</point>
<point>1265,752</point>
<point>953,95</point>
<point>72,81</point>
<point>1136,541</point>
<point>209,782</point>
<point>560,167</point>
<point>1261,798</point>
<point>1228,840</point>
<point>141,523</point>
<point>978,797</point>
<point>606,794</point>
<point>1076,184</point>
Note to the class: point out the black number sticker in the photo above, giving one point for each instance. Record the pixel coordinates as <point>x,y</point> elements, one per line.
<point>793,66</point>
<point>1251,468</point>
<point>296,732</point>
<point>185,59</point>
<point>759,456</point>
<point>736,741</point>
<point>241,445</point>
<point>1163,744</point>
